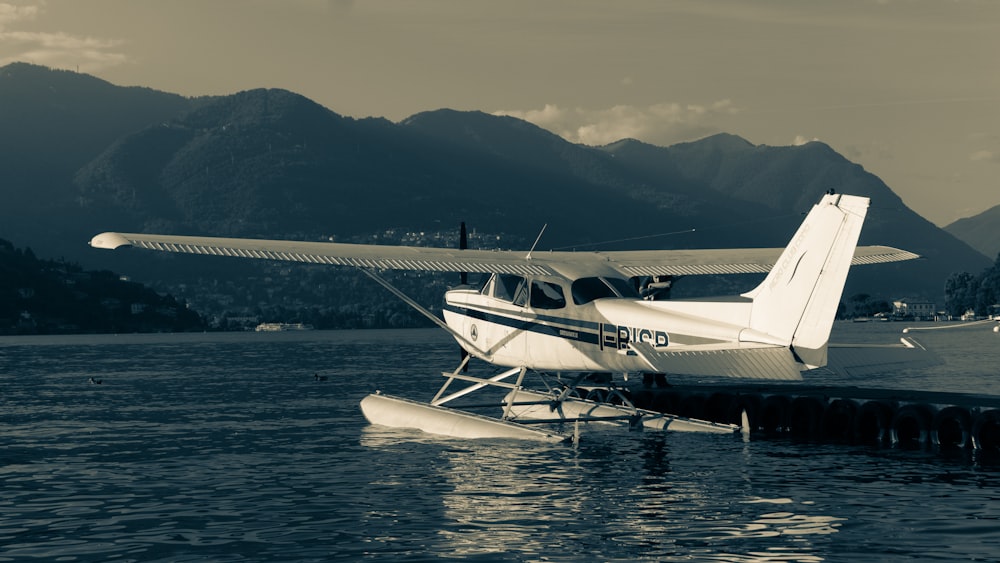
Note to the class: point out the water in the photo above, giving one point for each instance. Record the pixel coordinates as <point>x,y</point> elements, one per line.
<point>224,447</point>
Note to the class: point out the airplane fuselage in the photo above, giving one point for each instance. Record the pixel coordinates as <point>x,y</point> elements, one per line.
<point>587,324</point>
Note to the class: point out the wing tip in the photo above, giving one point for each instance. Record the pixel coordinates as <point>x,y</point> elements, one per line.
<point>865,255</point>
<point>109,241</point>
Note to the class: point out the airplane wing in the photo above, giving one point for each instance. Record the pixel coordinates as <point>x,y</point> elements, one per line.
<point>628,263</point>
<point>338,254</point>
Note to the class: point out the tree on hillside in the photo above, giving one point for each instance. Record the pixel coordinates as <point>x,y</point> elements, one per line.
<point>964,291</point>
<point>862,305</point>
<point>988,294</point>
<point>960,293</point>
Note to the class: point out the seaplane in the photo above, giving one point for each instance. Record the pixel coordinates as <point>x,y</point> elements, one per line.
<point>571,316</point>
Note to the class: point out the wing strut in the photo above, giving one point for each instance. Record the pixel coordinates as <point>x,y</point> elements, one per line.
<point>422,310</point>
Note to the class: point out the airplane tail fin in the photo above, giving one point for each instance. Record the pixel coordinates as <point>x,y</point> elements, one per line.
<point>796,303</point>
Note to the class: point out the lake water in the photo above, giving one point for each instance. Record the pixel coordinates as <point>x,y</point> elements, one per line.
<point>223,447</point>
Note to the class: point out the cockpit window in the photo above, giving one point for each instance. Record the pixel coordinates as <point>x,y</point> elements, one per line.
<point>586,290</point>
<point>545,295</point>
<point>510,288</point>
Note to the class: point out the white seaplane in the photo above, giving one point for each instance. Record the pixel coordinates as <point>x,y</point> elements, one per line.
<point>567,315</point>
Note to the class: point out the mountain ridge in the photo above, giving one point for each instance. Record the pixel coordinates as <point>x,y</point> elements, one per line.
<point>272,163</point>
<point>981,231</point>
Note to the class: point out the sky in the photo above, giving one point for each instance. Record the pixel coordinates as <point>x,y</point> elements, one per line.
<point>909,89</point>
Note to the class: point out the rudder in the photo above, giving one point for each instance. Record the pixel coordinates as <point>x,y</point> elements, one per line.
<point>796,303</point>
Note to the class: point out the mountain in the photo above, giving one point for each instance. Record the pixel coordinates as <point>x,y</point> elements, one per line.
<point>88,156</point>
<point>272,163</point>
<point>981,232</point>
<point>753,173</point>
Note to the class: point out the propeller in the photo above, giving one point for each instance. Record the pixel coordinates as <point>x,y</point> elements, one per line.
<point>463,243</point>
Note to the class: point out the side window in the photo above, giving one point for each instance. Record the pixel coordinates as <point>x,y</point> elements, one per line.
<point>545,295</point>
<point>586,290</point>
<point>623,288</point>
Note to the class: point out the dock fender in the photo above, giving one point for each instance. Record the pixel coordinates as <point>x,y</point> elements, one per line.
<point>839,420</point>
<point>986,430</point>
<point>873,421</point>
<point>692,406</point>
<point>952,427</point>
<point>911,425</point>
<point>719,406</point>
<point>806,416</point>
<point>774,413</point>
<point>668,402</point>
<point>643,398</point>
<point>750,403</point>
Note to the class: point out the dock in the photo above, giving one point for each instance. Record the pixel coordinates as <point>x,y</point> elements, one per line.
<point>895,417</point>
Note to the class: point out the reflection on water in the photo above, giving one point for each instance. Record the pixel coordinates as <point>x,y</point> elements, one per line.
<point>225,447</point>
<point>614,497</point>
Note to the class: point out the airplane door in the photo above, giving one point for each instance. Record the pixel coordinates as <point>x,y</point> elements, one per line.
<point>501,330</point>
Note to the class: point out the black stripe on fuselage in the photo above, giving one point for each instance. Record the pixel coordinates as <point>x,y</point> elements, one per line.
<point>586,332</point>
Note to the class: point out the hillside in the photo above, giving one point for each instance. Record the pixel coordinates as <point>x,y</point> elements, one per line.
<point>981,232</point>
<point>89,156</point>
<point>40,296</point>
<point>52,123</point>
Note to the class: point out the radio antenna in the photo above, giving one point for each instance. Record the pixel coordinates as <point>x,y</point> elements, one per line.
<point>538,238</point>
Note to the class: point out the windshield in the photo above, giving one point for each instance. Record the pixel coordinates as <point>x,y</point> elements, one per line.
<point>510,287</point>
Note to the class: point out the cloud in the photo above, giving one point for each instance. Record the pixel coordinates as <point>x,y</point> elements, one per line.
<point>989,144</point>
<point>985,155</point>
<point>800,140</point>
<point>663,123</point>
<point>54,49</point>
<point>870,151</point>
<point>10,13</point>
<point>336,7</point>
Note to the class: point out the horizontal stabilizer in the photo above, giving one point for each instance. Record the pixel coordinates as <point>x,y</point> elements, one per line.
<point>877,359</point>
<point>749,361</point>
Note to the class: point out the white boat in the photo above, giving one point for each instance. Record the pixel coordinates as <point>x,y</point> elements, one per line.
<point>280,327</point>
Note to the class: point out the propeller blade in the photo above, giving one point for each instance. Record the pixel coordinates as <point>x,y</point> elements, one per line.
<point>463,243</point>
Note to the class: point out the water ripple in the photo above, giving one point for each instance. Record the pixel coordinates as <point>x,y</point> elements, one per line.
<point>228,450</point>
